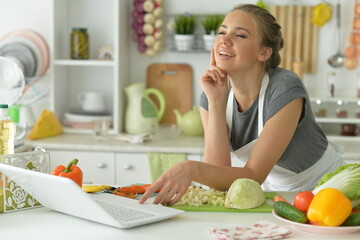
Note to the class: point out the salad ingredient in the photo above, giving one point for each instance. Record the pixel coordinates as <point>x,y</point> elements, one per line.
<point>197,196</point>
<point>244,193</point>
<point>346,179</point>
<point>135,188</point>
<point>352,220</point>
<point>95,188</point>
<point>278,198</point>
<point>329,207</point>
<point>71,171</point>
<point>288,211</point>
<point>303,199</point>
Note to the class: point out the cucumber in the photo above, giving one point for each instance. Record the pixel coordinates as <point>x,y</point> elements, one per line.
<point>288,211</point>
<point>352,220</point>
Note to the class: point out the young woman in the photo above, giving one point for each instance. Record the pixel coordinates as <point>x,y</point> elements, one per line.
<point>264,121</point>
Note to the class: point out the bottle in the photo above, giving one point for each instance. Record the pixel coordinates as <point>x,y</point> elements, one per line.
<point>7,131</point>
<point>79,40</point>
<point>331,84</point>
<point>358,84</point>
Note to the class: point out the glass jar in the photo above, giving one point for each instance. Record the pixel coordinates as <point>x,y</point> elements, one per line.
<point>341,110</point>
<point>319,108</point>
<point>79,41</point>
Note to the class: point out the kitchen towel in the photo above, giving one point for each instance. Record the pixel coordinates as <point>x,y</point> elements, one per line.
<point>160,162</point>
<point>259,230</point>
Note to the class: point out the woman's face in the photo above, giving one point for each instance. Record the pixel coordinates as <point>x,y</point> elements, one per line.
<point>237,46</point>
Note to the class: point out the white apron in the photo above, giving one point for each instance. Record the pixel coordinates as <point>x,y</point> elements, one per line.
<point>281,179</point>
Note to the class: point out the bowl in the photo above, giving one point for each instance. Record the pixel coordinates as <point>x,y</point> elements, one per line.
<point>167,131</point>
<point>317,229</point>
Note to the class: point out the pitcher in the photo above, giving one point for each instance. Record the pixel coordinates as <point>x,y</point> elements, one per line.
<point>142,114</point>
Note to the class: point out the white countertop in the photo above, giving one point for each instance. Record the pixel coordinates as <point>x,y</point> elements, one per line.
<point>44,224</point>
<point>82,142</point>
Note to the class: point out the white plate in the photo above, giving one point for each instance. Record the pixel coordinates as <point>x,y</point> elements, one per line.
<point>85,118</point>
<point>318,229</point>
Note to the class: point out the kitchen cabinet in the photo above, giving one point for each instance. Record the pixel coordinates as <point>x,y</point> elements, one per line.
<point>329,113</point>
<point>107,25</point>
<point>114,168</point>
<point>134,168</point>
<point>97,167</point>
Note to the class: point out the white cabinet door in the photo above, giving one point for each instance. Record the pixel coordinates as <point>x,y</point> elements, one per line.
<point>97,167</point>
<point>132,168</point>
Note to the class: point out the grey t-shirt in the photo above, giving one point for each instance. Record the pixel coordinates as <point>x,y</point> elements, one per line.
<point>309,141</point>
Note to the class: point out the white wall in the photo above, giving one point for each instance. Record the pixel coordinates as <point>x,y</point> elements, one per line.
<point>35,14</point>
<point>199,61</point>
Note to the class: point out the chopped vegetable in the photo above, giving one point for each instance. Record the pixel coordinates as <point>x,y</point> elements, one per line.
<point>303,199</point>
<point>345,179</point>
<point>288,211</point>
<point>197,196</point>
<point>71,171</point>
<point>329,207</point>
<point>278,198</point>
<point>135,188</point>
<point>244,193</point>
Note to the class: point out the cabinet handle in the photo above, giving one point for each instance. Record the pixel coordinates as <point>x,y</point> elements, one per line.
<point>127,167</point>
<point>101,165</point>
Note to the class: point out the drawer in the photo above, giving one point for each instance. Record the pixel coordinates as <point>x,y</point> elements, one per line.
<point>132,168</point>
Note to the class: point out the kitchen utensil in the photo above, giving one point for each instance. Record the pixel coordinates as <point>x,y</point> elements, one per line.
<point>190,123</point>
<point>266,207</point>
<point>142,114</point>
<point>12,81</point>
<point>337,60</point>
<point>92,102</point>
<point>175,82</point>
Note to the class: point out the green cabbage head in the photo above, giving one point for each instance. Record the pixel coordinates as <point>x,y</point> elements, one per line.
<point>244,193</point>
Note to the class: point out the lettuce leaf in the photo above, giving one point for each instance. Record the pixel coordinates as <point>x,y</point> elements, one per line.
<point>346,179</point>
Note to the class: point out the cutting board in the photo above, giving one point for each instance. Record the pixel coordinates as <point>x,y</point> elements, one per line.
<point>175,82</point>
<point>266,207</point>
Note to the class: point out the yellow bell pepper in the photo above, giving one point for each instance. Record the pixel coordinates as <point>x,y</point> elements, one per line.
<point>329,207</point>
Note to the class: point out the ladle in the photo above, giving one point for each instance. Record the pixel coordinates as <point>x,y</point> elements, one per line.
<point>337,60</point>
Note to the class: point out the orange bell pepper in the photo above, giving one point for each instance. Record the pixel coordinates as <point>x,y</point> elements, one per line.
<point>329,207</point>
<point>71,171</point>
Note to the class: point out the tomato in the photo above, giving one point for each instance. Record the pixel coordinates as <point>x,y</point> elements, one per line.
<point>303,200</point>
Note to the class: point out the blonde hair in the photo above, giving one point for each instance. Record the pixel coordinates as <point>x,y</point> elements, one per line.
<point>268,29</point>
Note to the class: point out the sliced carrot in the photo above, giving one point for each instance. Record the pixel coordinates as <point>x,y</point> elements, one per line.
<point>278,198</point>
<point>135,188</point>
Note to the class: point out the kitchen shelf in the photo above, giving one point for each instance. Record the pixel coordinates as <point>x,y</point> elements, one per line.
<point>93,63</point>
<point>107,22</point>
<point>338,120</point>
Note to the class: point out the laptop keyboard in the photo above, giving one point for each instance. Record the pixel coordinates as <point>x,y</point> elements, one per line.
<point>124,214</point>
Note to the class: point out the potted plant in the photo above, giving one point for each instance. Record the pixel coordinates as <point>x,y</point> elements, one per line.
<point>185,25</point>
<point>211,24</point>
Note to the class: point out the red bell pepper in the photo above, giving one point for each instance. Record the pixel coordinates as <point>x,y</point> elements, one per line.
<point>71,171</point>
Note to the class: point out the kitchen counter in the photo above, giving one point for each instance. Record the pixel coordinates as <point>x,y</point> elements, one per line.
<point>43,224</point>
<point>82,142</point>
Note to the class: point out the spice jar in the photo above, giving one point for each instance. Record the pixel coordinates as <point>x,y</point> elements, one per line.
<point>319,108</point>
<point>79,40</point>
<point>341,111</point>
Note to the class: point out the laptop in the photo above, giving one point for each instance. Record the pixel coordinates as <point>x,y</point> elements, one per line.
<point>64,195</point>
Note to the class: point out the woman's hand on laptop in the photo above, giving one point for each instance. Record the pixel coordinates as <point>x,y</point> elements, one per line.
<point>173,184</point>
